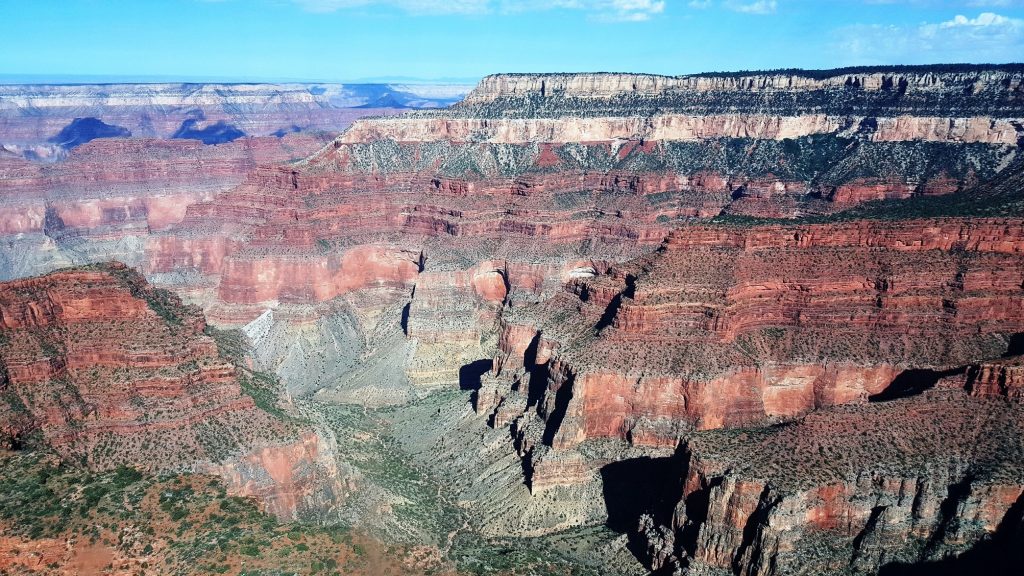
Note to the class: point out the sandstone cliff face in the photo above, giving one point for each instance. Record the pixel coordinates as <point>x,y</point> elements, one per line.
<point>606,86</point>
<point>428,200</point>
<point>108,371</point>
<point>108,196</point>
<point>997,378</point>
<point>751,157</point>
<point>846,490</point>
<point>349,220</point>
<point>682,128</point>
<point>125,186</point>
<point>742,326</point>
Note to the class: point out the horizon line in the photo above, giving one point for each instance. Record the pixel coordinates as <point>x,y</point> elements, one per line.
<point>57,79</point>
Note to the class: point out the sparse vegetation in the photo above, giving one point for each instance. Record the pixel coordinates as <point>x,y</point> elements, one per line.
<point>186,524</point>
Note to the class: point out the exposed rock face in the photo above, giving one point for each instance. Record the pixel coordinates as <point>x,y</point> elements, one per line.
<point>109,371</point>
<point>682,128</point>
<point>293,481</point>
<point>727,326</point>
<point>848,490</point>
<point>1003,377</point>
<point>111,182</point>
<point>877,82</point>
<point>107,195</point>
<point>527,183</point>
<point>457,204</point>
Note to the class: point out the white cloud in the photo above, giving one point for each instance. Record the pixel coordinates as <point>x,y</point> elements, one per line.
<point>983,19</point>
<point>758,7</point>
<point>630,10</point>
<point>994,3</point>
<point>954,3</point>
<point>611,10</point>
<point>742,6</point>
<point>988,37</point>
<point>412,6</point>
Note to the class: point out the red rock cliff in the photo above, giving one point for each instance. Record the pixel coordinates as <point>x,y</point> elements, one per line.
<point>109,371</point>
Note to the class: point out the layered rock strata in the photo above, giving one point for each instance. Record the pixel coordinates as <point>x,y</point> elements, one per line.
<point>553,218</point>
<point>933,482</point>
<point>433,201</point>
<point>107,196</point>
<point>527,184</point>
<point>33,114</point>
<point>729,326</point>
<point>108,371</point>
<point>973,88</point>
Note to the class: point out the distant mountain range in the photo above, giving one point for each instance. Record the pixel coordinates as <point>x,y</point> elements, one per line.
<point>41,115</point>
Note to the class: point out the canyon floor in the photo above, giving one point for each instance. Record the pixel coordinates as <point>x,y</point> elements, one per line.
<point>405,516</point>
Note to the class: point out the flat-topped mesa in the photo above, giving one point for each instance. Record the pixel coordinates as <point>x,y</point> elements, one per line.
<point>762,144</point>
<point>980,87</point>
<point>607,85</point>
<point>955,104</point>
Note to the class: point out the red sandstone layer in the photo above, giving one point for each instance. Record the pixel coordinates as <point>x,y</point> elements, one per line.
<point>123,186</point>
<point>108,371</point>
<point>742,326</point>
<point>910,481</point>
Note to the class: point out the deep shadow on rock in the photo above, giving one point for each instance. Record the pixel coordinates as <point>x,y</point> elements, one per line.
<point>217,133</point>
<point>913,382</point>
<point>640,487</point>
<point>470,374</point>
<point>82,130</point>
<point>1000,555</point>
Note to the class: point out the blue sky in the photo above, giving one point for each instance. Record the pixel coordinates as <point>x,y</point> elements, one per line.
<point>345,40</point>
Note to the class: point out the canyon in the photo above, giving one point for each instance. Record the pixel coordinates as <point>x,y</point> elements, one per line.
<point>755,323</point>
<point>33,115</point>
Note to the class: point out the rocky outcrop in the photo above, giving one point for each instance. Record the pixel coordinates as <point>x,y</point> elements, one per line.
<point>741,326</point>
<point>125,186</point>
<point>458,213</point>
<point>294,481</point>
<point>997,378</point>
<point>682,128</point>
<point>879,89</point>
<point>609,86</point>
<point>109,195</point>
<point>108,371</point>
<point>847,491</point>
<point>555,219</point>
